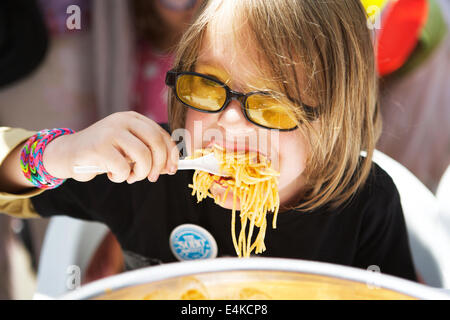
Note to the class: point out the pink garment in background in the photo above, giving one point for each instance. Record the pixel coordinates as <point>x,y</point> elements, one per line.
<point>150,88</point>
<point>55,14</point>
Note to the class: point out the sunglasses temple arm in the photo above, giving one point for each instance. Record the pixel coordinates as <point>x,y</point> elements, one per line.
<point>170,78</point>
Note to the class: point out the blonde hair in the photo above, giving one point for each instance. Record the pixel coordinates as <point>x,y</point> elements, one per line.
<point>329,42</point>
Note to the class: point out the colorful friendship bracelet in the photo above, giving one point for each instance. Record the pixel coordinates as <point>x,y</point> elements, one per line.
<point>31,158</point>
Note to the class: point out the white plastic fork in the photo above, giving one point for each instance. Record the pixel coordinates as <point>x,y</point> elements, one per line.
<point>206,163</point>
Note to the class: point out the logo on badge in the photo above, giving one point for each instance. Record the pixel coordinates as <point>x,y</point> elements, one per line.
<point>191,242</point>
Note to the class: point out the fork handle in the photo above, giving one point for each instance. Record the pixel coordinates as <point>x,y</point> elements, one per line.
<point>185,164</point>
<point>190,164</point>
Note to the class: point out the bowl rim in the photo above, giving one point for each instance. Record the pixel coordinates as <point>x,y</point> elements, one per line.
<point>191,268</point>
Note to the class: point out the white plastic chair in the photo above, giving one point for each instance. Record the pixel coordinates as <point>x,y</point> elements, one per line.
<point>67,249</point>
<point>429,240</point>
<point>443,190</point>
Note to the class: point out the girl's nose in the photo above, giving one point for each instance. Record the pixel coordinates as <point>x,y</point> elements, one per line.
<point>232,119</point>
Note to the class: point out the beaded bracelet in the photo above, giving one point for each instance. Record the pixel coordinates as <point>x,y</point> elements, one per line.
<point>31,158</point>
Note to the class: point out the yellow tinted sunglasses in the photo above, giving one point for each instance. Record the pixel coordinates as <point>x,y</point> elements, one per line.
<point>207,94</point>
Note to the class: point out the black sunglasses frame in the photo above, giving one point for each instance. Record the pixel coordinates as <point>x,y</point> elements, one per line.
<point>172,77</point>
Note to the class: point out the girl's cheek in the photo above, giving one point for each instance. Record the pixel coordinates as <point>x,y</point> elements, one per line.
<point>293,155</point>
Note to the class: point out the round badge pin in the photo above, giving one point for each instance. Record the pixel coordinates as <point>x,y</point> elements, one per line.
<point>192,242</point>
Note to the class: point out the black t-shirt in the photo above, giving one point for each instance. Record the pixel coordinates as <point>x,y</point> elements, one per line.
<point>369,230</point>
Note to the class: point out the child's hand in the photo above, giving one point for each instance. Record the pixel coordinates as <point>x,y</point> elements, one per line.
<point>127,145</point>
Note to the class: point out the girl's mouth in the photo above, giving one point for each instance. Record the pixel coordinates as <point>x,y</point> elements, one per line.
<point>220,180</point>
<point>235,147</point>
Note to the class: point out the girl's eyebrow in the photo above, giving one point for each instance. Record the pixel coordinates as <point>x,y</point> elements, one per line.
<point>220,74</point>
<point>212,76</point>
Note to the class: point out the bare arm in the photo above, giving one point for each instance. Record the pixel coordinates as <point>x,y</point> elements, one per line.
<point>108,144</point>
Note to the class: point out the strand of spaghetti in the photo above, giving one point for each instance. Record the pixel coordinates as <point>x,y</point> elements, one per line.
<point>253,195</point>
<point>243,220</point>
<point>253,216</point>
<point>257,204</point>
<point>275,215</point>
<point>243,196</point>
<point>200,182</point>
<point>267,187</point>
<point>209,183</point>
<point>259,242</point>
<point>241,241</point>
<point>260,237</point>
<point>262,231</point>
<point>237,177</point>
<point>252,180</point>
<point>264,201</point>
<point>194,182</point>
<point>233,223</point>
<point>256,214</point>
<point>225,195</point>
<point>250,233</point>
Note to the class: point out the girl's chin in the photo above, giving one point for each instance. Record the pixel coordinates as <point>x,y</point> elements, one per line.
<point>218,191</point>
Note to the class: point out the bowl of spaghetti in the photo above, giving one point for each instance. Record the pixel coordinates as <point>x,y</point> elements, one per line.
<point>253,278</point>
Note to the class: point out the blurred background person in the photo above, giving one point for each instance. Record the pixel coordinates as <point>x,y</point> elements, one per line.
<point>159,25</point>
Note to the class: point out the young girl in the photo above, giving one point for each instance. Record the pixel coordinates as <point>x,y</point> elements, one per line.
<point>299,75</point>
